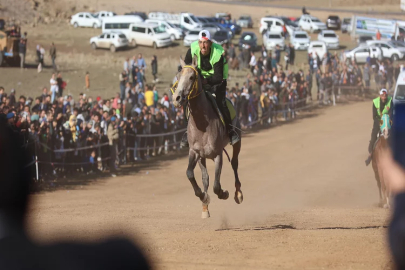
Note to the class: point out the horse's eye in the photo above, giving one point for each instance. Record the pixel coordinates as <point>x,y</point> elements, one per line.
<point>191,78</point>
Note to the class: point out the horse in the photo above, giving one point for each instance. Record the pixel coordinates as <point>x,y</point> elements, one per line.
<point>207,136</point>
<point>379,147</point>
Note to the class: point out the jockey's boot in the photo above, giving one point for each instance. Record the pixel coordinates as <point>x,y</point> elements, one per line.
<point>368,160</point>
<point>184,141</point>
<point>233,136</point>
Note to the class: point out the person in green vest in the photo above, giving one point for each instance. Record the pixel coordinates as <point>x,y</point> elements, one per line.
<point>381,105</point>
<point>213,67</point>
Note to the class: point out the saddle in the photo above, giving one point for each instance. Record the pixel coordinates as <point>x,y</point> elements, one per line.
<point>211,97</point>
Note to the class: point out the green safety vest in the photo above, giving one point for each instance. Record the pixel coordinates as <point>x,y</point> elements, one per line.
<point>376,102</point>
<point>216,53</point>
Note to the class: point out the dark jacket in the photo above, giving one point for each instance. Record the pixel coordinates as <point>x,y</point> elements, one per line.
<point>22,48</point>
<point>154,66</point>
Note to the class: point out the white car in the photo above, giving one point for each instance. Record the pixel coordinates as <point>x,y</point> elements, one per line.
<point>300,40</point>
<point>317,48</point>
<point>311,23</point>
<point>112,41</point>
<point>272,39</point>
<point>330,38</point>
<point>361,53</point>
<point>389,50</point>
<point>174,32</point>
<point>85,19</point>
<point>190,37</point>
<point>104,14</point>
<point>276,24</point>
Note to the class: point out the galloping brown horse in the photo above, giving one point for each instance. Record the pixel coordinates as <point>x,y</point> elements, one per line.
<point>207,136</point>
<point>380,146</point>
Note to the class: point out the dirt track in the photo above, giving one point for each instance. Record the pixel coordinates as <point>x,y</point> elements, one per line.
<point>301,182</point>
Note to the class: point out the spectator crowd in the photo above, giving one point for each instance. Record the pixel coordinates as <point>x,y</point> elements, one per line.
<point>91,134</point>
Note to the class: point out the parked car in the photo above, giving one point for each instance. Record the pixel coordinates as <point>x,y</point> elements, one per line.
<point>248,39</point>
<point>300,40</point>
<point>85,19</point>
<point>389,50</point>
<point>317,48</point>
<point>143,15</point>
<point>333,22</point>
<point>148,35</point>
<point>203,20</point>
<point>346,25</point>
<point>112,41</point>
<point>221,37</point>
<point>362,40</point>
<point>311,24</point>
<point>398,43</point>
<point>360,54</point>
<point>236,29</point>
<point>275,24</point>
<point>173,31</point>
<point>214,27</point>
<point>103,14</point>
<point>272,39</point>
<point>245,21</point>
<point>190,37</point>
<point>330,38</point>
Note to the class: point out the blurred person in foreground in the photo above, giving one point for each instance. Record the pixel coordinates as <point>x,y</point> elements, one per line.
<point>394,176</point>
<point>17,251</point>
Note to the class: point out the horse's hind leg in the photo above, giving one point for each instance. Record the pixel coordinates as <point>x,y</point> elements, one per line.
<point>377,178</point>
<point>217,184</point>
<point>192,162</point>
<point>206,182</point>
<point>235,164</point>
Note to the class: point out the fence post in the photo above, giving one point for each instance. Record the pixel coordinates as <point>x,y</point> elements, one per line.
<point>36,160</point>
<point>333,97</point>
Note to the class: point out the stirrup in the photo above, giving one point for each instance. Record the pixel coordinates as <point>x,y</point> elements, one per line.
<point>233,137</point>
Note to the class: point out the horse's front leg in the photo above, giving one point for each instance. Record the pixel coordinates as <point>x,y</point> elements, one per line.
<point>206,182</point>
<point>222,194</point>
<point>235,164</point>
<point>192,162</point>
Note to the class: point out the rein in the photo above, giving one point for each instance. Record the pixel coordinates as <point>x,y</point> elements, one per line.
<point>194,92</point>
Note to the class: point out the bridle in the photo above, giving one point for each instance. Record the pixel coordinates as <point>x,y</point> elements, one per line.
<point>194,92</point>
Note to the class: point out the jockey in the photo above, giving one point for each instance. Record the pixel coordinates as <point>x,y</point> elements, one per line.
<point>381,105</point>
<point>213,67</point>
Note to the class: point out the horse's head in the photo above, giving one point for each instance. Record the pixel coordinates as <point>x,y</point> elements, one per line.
<point>187,84</point>
<point>385,125</point>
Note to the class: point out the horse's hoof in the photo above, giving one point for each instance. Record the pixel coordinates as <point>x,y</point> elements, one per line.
<point>238,197</point>
<point>386,206</point>
<point>206,200</point>
<point>205,214</point>
<point>225,195</point>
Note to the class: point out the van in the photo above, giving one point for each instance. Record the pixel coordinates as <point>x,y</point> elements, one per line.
<point>119,23</point>
<point>399,93</point>
<point>148,35</point>
<point>174,32</point>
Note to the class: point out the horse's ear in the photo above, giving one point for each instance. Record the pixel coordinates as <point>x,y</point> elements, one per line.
<point>195,61</point>
<point>182,63</point>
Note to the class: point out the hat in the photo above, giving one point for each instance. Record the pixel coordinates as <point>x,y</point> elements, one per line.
<point>113,119</point>
<point>383,90</point>
<point>204,35</point>
<point>10,115</point>
<point>12,90</point>
<point>98,98</point>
